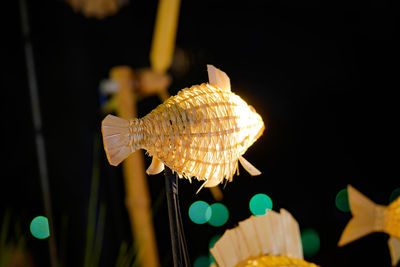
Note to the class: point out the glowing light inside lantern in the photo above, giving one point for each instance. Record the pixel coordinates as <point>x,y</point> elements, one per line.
<point>395,194</point>
<point>219,214</point>
<point>201,261</point>
<point>199,212</point>
<point>259,204</point>
<point>310,241</point>
<point>342,200</point>
<point>40,227</point>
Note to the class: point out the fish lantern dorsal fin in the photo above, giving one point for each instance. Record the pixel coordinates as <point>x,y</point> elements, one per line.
<point>218,78</point>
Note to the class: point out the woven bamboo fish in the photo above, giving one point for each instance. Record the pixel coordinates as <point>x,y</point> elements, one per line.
<point>271,240</point>
<point>201,132</point>
<point>370,217</point>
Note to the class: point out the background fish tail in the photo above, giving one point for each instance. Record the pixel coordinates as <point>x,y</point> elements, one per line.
<point>367,217</point>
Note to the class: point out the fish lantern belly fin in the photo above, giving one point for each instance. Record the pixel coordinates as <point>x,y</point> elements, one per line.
<point>212,183</point>
<point>248,167</point>
<point>218,78</point>
<point>155,167</point>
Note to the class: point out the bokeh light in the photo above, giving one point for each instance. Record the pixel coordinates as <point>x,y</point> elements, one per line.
<point>213,240</point>
<point>201,261</point>
<point>199,212</point>
<point>395,194</point>
<point>310,241</point>
<point>219,214</point>
<point>259,204</point>
<point>342,200</point>
<point>40,227</point>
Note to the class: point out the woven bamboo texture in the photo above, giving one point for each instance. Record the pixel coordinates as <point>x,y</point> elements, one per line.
<point>201,132</point>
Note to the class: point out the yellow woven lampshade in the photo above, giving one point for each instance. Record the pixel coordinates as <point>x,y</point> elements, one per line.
<point>201,132</point>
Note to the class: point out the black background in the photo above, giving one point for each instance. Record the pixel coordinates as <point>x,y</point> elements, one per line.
<point>321,78</point>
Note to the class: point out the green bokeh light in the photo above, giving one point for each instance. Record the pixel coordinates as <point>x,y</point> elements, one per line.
<point>201,261</point>
<point>219,214</point>
<point>40,227</point>
<point>310,241</point>
<point>199,212</point>
<point>342,200</point>
<point>395,194</point>
<point>213,240</point>
<point>259,204</point>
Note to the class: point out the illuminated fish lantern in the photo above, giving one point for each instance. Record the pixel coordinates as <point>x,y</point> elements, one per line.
<point>369,217</point>
<point>201,132</point>
<point>270,240</point>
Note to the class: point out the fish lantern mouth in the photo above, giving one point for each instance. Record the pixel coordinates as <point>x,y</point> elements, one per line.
<point>260,132</point>
<point>260,121</point>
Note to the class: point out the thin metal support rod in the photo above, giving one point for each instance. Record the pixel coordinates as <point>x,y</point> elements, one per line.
<point>37,124</point>
<point>180,253</point>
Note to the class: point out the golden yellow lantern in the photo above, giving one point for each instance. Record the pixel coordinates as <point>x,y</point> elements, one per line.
<point>201,132</point>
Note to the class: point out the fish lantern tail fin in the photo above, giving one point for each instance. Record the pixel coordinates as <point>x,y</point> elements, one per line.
<point>367,217</point>
<point>120,138</point>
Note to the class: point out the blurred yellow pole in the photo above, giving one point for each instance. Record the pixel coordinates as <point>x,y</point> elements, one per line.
<point>137,199</point>
<point>164,35</point>
<point>162,49</point>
